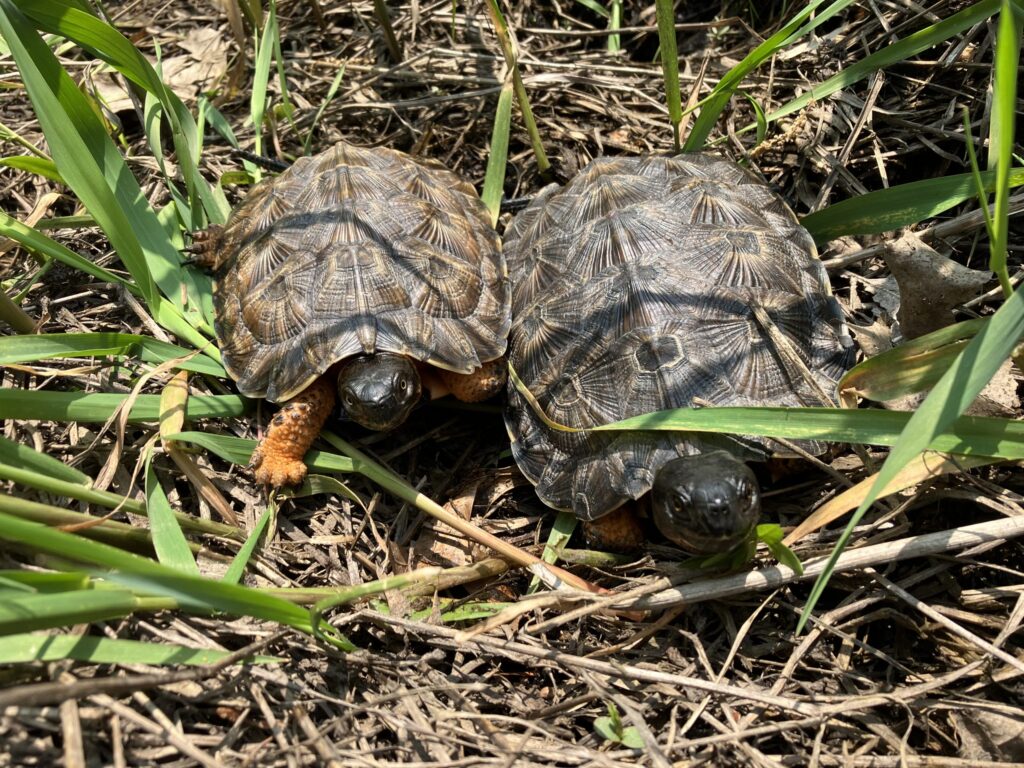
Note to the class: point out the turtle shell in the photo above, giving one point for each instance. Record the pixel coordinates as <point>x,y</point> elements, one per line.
<point>653,283</point>
<point>357,251</point>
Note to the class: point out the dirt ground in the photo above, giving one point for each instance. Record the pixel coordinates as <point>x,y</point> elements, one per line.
<point>895,669</point>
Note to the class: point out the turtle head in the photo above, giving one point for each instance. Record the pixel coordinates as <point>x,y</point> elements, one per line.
<point>378,391</point>
<point>706,503</point>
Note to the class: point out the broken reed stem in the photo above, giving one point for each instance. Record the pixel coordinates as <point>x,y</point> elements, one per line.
<point>863,557</point>
<point>14,315</point>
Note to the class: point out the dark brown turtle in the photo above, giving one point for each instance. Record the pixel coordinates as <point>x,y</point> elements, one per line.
<point>362,272</point>
<point>653,283</point>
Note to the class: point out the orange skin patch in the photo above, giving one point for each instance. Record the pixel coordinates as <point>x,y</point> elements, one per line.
<point>475,387</point>
<point>618,531</point>
<point>278,458</point>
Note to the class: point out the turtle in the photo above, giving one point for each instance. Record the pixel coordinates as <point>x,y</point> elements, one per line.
<point>658,282</point>
<point>363,275</point>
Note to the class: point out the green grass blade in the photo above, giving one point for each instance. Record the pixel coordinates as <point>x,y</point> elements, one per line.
<point>261,78</point>
<point>615,24</point>
<point>911,367</point>
<point>666,16</point>
<point>39,243</point>
<point>899,51</point>
<point>238,450</point>
<point>29,459</point>
<point>40,166</point>
<point>151,579</point>
<point>99,406</point>
<point>95,170</point>
<point>168,540</point>
<point>29,348</point>
<point>511,55</point>
<point>497,160</point>
<point>889,209</point>
<point>29,647</point>
<point>723,92</point>
<point>1004,115</point>
<point>236,570</point>
<point>328,98</point>
<point>25,613</point>
<point>956,390</point>
<point>984,436</point>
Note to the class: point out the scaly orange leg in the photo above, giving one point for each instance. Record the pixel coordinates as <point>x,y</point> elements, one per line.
<point>480,385</point>
<point>278,458</point>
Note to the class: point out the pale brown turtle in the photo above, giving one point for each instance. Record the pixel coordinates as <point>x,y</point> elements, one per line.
<point>364,272</point>
<point>653,283</point>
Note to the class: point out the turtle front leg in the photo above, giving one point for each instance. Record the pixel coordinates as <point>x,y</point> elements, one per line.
<point>278,458</point>
<point>618,531</point>
<point>475,387</point>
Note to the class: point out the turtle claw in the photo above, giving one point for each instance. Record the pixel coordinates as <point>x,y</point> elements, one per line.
<point>281,470</point>
<point>205,249</point>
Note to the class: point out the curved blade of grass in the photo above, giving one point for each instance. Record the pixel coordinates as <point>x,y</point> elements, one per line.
<point>497,160</point>
<point>260,79</point>
<point>889,209</point>
<point>956,390</point>
<point>191,593</point>
<point>28,647</point>
<point>911,367</point>
<point>31,460</point>
<point>899,51</point>
<point>666,16</point>
<point>94,169</point>
<point>98,407</point>
<point>168,540</point>
<point>723,92</point>
<point>1001,438</point>
<point>236,570</point>
<point>25,613</point>
<point>29,348</point>
<point>39,243</point>
<point>79,25</point>
<point>511,55</point>
<point>41,166</point>
<point>50,483</point>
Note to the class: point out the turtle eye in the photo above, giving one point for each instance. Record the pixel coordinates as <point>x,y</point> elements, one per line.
<point>403,385</point>
<point>679,501</point>
<point>747,493</point>
<point>349,401</point>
